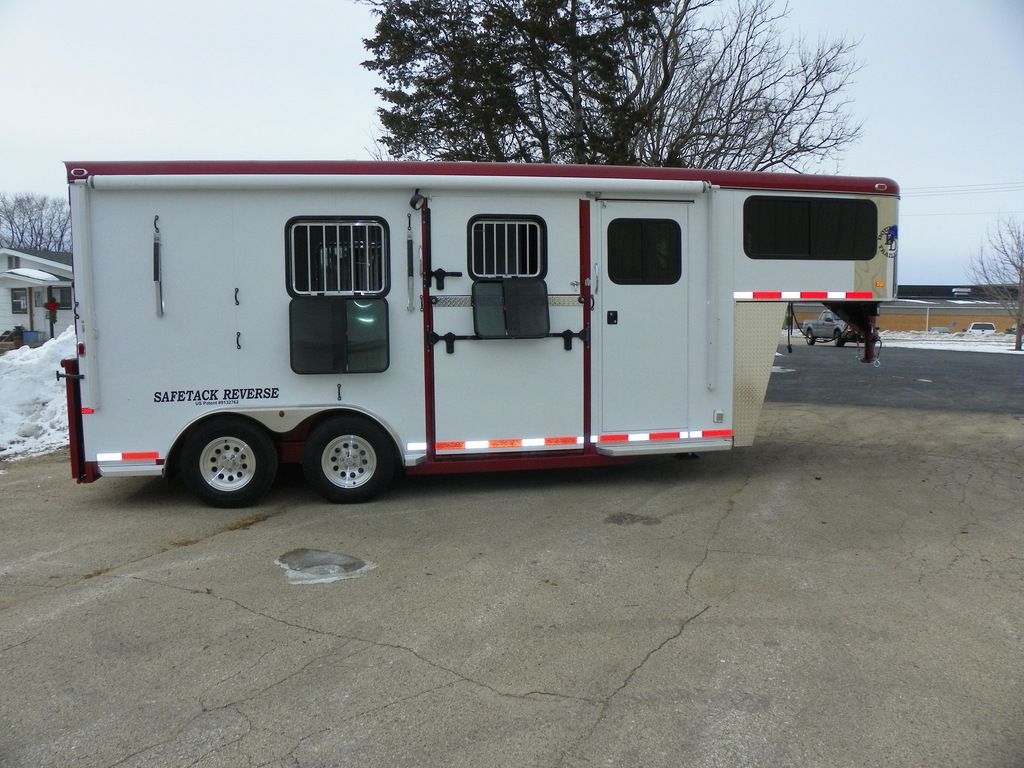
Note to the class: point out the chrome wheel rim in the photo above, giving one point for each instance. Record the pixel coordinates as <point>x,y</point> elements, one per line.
<point>227,464</point>
<point>348,461</point>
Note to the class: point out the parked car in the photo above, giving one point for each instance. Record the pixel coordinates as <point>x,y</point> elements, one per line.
<point>829,327</point>
<point>981,329</point>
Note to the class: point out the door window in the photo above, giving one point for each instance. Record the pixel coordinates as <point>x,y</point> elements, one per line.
<point>644,251</point>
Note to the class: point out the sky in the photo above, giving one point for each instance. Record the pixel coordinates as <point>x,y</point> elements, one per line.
<point>940,94</point>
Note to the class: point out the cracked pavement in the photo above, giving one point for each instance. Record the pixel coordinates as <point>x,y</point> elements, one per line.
<point>848,592</point>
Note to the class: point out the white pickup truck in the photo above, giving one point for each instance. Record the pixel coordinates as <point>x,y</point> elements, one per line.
<point>829,327</point>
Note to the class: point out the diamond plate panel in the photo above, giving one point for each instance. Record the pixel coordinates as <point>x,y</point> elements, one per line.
<point>758,325</point>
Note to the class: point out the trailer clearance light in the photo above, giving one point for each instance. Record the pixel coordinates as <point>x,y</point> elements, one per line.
<point>796,295</point>
<point>88,411</point>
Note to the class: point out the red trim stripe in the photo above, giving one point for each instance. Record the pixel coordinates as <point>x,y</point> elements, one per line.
<point>664,436</point>
<point>717,433</point>
<point>613,439</point>
<point>140,456</point>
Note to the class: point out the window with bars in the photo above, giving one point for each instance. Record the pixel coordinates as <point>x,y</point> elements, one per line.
<point>337,256</point>
<point>507,246</point>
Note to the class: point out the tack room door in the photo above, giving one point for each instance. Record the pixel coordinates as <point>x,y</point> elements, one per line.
<point>643,316</point>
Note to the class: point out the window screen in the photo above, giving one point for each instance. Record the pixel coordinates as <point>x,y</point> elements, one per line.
<point>809,228</point>
<point>337,257</point>
<point>644,251</point>
<point>338,335</point>
<point>506,246</point>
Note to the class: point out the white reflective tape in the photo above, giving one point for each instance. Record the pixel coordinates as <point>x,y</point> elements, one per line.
<point>416,446</point>
<point>639,437</point>
<point>579,440</point>
<point>791,294</point>
<point>533,442</point>
<point>475,444</point>
<point>108,457</point>
<point>748,295</point>
<point>837,294</point>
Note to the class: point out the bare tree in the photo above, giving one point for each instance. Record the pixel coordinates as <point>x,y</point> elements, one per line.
<point>34,222</point>
<point>1000,268</point>
<point>692,83</point>
<point>741,95</point>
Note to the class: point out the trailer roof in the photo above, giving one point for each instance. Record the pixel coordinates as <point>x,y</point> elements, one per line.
<point>78,171</point>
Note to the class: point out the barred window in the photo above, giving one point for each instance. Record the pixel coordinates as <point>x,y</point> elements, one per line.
<point>337,256</point>
<point>506,246</point>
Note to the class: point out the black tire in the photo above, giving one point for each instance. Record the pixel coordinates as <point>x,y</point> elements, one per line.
<point>838,338</point>
<point>229,462</point>
<point>810,338</point>
<point>348,460</point>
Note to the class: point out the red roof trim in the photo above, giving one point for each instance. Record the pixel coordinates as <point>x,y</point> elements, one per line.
<point>77,171</point>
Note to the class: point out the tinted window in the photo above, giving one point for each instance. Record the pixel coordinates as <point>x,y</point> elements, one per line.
<point>644,251</point>
<point>338,335</point>
<point>809,228</point>
<point>514,308</point>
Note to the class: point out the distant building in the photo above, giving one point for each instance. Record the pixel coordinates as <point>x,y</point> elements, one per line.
<point>28,281</point>
<point>924,307</point>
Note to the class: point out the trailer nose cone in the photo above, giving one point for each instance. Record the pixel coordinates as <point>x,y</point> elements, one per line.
<point>315,566</point>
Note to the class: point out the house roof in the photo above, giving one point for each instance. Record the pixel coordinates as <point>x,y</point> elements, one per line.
<point>55,261</point>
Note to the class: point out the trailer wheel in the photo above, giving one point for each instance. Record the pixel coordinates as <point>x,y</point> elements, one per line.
<point>229,462</point>
<point>348,460</point>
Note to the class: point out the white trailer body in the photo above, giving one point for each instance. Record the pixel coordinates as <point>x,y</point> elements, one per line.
<point>448,317</point>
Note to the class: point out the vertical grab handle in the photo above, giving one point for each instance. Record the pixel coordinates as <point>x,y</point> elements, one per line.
<point>158,269</point>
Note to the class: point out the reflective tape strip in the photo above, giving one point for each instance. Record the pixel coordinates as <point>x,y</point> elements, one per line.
<point>548,442</point>
<point>643,437</point>
<point>130,456</point>
<point>796,295</point>
<point>497,445</point>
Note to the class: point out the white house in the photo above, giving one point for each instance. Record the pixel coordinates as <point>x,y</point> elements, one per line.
<point>28,281</point>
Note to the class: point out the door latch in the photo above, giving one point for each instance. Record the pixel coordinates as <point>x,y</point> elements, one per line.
<point>439,275</point>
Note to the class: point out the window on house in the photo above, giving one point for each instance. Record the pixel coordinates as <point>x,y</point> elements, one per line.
<point>337,256</point>
<point>645,251</point>
<point>19,301</point>
<point>63,297</point>
<point>507,246</point>
<point>809,228</point>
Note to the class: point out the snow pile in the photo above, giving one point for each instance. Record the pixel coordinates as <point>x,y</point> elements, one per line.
<point>954,342</point>
<point>33,404</point>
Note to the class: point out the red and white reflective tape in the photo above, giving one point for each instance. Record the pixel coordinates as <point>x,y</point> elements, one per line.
<point>452,446</point>
<point>797,295</point>
<point>645,437</point>
<point>129,456</point>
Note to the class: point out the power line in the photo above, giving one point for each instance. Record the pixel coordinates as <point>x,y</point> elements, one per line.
<point>964,189</point>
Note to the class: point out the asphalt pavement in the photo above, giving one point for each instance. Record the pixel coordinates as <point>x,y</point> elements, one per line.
<point>847,592</point>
